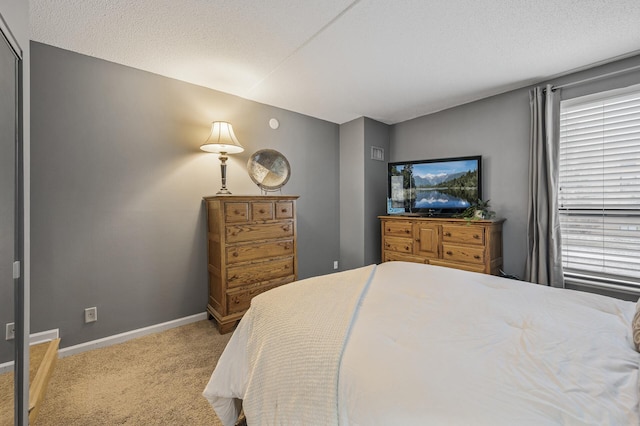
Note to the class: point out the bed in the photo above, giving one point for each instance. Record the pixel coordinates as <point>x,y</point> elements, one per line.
<point>412,344</point>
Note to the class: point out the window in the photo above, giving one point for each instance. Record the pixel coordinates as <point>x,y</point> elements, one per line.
<point>599,181</point>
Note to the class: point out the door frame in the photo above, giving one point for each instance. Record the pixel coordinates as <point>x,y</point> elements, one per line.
<point>21,297</point>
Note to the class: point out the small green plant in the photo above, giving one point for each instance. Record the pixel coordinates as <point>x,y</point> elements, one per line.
<point>477,211</point>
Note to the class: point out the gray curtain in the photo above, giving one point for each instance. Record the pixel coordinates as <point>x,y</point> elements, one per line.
<point>544,259</point>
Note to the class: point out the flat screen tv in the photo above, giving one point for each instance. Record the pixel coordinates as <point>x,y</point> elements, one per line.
<point>442,187</point>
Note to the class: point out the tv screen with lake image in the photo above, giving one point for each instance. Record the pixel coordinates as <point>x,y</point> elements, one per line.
<point>434,187</point>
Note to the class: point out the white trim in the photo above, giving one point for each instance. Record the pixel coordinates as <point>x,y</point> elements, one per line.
<point>105,341</point>
<point>34,339</point>
<point>44,336</point>
<point>123,337</point>
<point>6,33</point>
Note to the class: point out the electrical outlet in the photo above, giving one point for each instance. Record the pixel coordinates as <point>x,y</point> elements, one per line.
<point>335,264</point>
<point>11,331</point>
<point>91,314</point>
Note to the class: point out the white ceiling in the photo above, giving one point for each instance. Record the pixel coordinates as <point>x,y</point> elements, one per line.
<point>391,60</point>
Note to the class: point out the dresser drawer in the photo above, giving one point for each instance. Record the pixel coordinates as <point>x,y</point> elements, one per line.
<point>401,245</point>
<point>463,234</point>
<point>398,229</point>
<point>262,211</point>
<point>239,300</point>
<point>284,210</point>
<point>236,212</point>
<point>260,231</point>
<point>463,254</point>
<point>239,275</point>
<point>390,256</point>
<point>471,267</point>
<point>267,250</point>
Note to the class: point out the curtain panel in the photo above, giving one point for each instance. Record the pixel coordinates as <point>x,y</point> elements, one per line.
<point>544,257</point>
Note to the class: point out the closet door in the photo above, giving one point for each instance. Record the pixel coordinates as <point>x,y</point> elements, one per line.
<point>12,291</point>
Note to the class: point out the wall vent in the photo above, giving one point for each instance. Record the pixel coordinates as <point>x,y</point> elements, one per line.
<point>377,153</point>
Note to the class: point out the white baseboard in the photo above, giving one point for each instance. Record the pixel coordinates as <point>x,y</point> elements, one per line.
<point>44,336</point>
<point>6,367</point>
<point>123,337</point>
<point>105,341</point>
<point>34,339</point>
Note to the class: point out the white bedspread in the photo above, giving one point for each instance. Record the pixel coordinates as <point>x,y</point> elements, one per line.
<point>294,336</point>
<point>432,345</point>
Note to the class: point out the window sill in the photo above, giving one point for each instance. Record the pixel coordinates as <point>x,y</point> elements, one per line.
<point>608,287</point>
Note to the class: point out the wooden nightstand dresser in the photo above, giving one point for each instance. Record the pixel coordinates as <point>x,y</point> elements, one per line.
<point>473,246</point>
<point>251,249</point>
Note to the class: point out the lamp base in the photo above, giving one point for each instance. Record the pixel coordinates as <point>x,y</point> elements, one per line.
<point>223,174</point>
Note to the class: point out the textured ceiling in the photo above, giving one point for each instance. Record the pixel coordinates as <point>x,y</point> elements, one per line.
<point>391,60</point>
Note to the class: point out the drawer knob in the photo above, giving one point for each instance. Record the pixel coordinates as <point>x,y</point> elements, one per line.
<point>388,229</point>
<point>283,210</point>
<point>407,231</point>
<point>285,228</point>
<point>476,236</point>
<point>233,277</point>
<point>447,234</point>
<point>417,240</point>
<point>236,212</point>
<point>235,254</point>
<point>476,257</point>
<point>406,248</point>
<point>262,211</point>
<point>449,253</point>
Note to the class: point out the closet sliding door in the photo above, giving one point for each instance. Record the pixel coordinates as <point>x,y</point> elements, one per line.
<point>12,291</point>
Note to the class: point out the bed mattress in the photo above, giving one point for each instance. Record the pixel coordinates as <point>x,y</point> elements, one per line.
<point>434,345</point>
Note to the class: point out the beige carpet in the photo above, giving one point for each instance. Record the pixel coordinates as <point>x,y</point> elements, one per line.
<point>153,380</point>
<point>36,353</point>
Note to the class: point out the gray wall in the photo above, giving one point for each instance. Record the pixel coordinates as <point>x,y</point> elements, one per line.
<point>375,184</point>
<point>498,129</point>
<point>351,194</point>
<point>362,191</point>
<point>16,15</point>
<point>117,183</point>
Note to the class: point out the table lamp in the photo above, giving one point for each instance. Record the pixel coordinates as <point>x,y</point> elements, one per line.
<point>223,141</point>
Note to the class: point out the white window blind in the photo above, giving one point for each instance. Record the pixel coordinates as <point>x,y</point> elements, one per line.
<point>599,181</point>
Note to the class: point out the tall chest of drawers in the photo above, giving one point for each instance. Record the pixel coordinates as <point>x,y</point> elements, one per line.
<point>456,243</point>
<point>251,249</point>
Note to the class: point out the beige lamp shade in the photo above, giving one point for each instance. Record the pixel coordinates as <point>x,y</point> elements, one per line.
<point>222,139</point>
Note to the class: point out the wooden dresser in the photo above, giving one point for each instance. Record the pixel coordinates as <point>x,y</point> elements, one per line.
<point>457,243</point>
<point>251,249</point>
